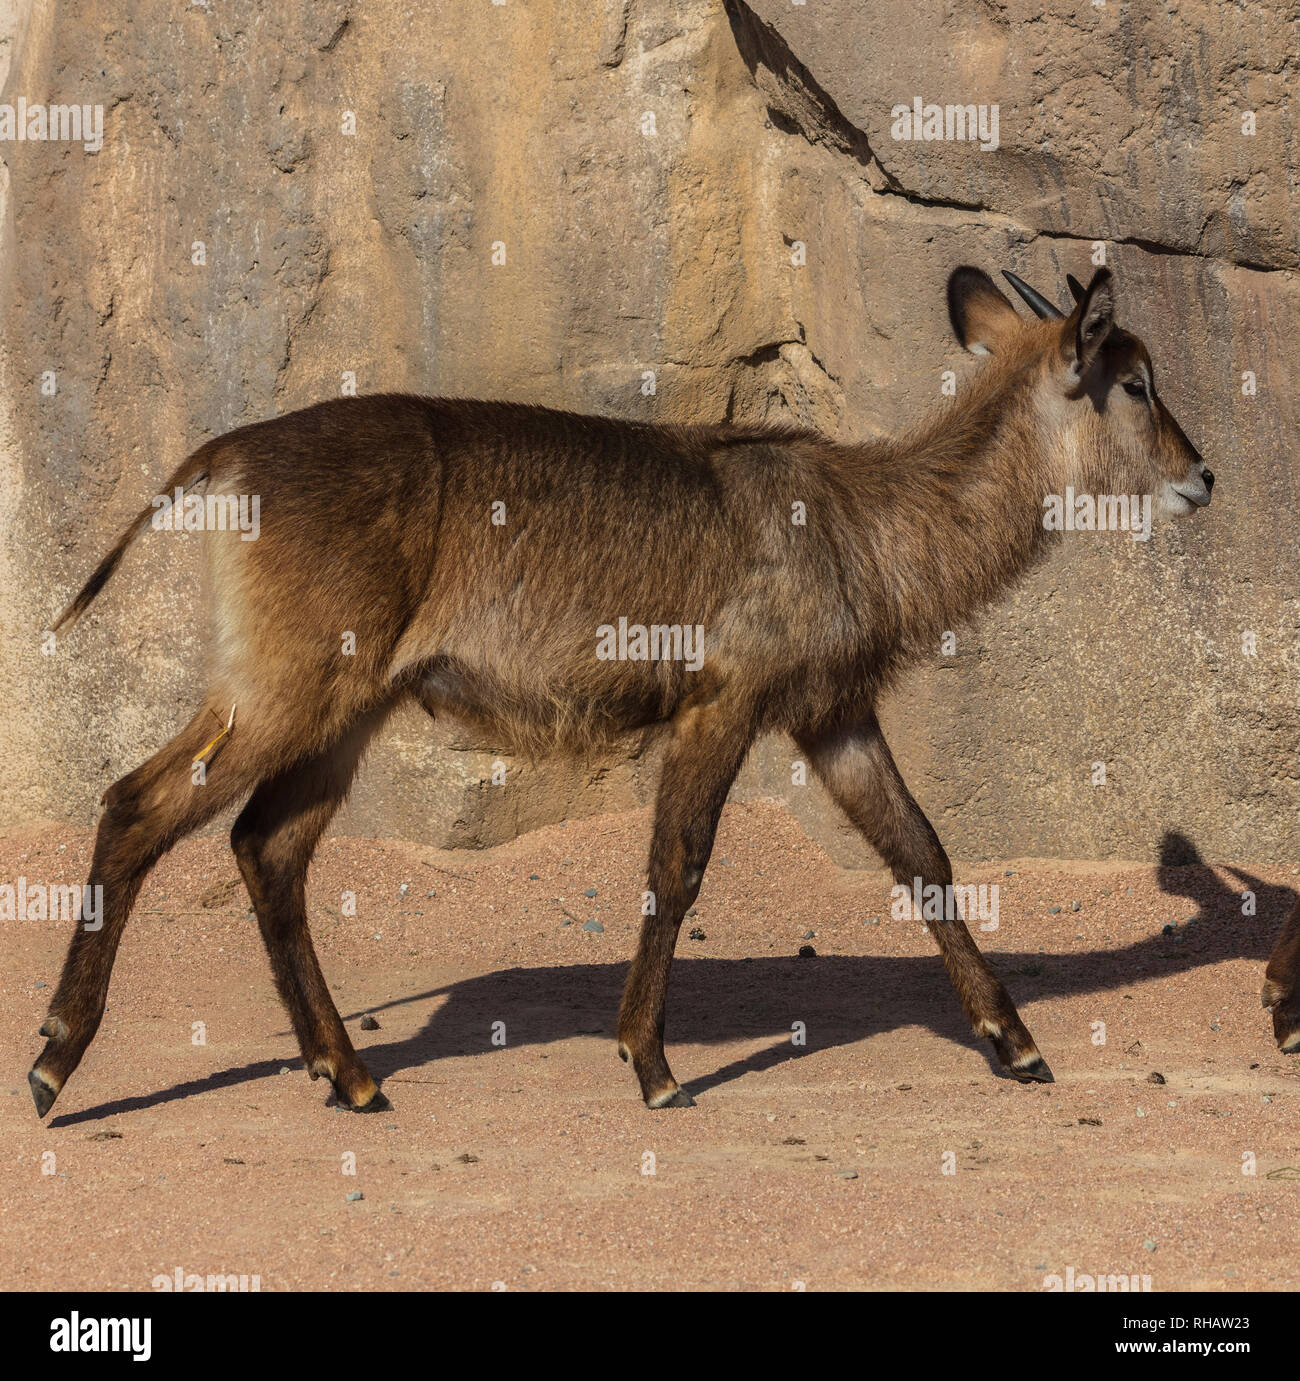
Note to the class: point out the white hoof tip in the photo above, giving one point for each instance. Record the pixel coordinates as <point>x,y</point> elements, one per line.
<point>671,1098</point>
<point>1033,1070</point>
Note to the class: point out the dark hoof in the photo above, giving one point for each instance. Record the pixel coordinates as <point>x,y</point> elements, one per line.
<point>377,1103</point>
<point>1286,1020</point>
<point>675,1098</point>
<point>42,1093</point>
<point>1035,1072</point>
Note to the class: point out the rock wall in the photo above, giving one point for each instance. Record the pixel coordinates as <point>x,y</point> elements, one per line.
<point>711,193</point>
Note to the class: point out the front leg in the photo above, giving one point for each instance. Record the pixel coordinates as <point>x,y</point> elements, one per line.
<point>858,770</point>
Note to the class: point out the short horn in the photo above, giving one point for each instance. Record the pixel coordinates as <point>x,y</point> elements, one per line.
<point>1040,305</point>
<point>1077,289</point>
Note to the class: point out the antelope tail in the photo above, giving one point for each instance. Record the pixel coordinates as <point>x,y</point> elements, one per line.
<point>191,472</point>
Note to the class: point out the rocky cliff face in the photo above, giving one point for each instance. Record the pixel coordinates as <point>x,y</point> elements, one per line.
<point>711,196</point>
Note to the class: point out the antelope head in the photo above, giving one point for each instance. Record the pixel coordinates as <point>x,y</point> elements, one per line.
<point>1091,389</point>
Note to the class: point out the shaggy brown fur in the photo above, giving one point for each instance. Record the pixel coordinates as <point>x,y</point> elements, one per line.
<point>377,521</point>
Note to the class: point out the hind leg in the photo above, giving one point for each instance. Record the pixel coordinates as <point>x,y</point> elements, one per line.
<point>146,812</point>
<point>1281,993</point>
<point>274,839</point>
<point>707,748</point>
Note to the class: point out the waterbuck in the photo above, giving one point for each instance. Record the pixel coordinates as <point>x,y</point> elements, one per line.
<point>475,555</point>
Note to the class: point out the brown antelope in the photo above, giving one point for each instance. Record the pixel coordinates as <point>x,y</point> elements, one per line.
<point>478,556</point>
<point>1281,995</point>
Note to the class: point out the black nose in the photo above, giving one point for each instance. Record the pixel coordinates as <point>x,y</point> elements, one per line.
<point>1208,477</point>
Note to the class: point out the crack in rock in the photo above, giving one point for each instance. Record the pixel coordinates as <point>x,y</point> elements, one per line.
<point>797,104</point>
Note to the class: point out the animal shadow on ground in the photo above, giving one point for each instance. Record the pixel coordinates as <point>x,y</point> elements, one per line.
<point>841,999</point>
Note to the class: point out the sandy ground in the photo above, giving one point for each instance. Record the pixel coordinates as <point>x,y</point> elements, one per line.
<point>885,1152</point>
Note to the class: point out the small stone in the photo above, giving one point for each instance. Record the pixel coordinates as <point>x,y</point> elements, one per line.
<point>794,1141</point>
<point>697,934</point>
<point>403,889</point>
<point>109,1135</point>
<point>1168,929</point>
<point>1010,873</point>
<point>1053,910</point>
<point>40,985</point>
<point>468,1158</point>
<point>847,1174</point>
<point>1155,1077</point>
<point>532,877</point>
<point>368,1023</point>
<point>284,1069</point>
<point>807,952</point>
<point>1214,1026</point>
<point>810,935</point>
<point>1076,906</point>
<point>430,894</point>
<point>355,1197</point>
<point>564,923</point>
<point>1266,1099</point>
<point>1090,1122</point>
<point>231,1160</point>
<point>594,927</point>
<point>590,892</point>
<point>1149,1245</point>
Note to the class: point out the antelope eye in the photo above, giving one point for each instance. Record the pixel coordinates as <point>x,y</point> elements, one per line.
<point>1135,388</point>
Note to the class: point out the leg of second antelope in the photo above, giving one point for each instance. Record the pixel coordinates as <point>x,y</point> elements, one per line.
<point>858,770</point>
<point>708,745</point>
<point>1281,993</point>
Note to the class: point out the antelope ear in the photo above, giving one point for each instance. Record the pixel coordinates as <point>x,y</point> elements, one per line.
<point>982,319</point>
<point>1089,324</point>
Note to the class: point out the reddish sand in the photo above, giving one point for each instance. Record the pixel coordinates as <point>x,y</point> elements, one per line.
<point>524,1166</point>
